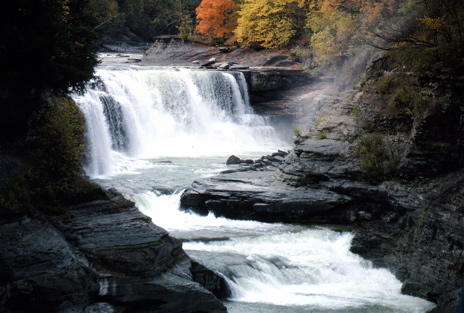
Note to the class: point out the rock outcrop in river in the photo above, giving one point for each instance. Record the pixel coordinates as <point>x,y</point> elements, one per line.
<point>406,210</point>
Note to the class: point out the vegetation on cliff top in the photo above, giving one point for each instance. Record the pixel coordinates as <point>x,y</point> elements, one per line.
<point>424,35</point>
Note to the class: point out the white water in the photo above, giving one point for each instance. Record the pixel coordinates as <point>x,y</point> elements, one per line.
<point>285,268</point>
<point>152,132</point>
<point>147,113</point>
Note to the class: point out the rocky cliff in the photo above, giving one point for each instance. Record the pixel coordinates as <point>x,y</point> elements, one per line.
<point>102,255</point>
<point>383,160</point>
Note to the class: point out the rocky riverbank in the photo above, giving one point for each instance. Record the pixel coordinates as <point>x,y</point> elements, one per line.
<point>411,224</point>
<point>101,255</point>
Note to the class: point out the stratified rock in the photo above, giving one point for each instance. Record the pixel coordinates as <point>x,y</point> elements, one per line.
<point>101,256</point>
<point>39,269</point>
<point>138,262</point>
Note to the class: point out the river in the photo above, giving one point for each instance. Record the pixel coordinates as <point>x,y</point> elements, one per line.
<point>152,131</point>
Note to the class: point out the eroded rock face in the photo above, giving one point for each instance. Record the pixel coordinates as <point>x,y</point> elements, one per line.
<point>101,254</point>
<point>40,270</point>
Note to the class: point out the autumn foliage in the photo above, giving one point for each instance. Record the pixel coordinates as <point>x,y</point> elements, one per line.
<point>425,32</point>
<point>216,17</point>
<point>268,23</point>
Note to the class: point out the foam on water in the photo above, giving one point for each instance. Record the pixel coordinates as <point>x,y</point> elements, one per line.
<point>287,265</point>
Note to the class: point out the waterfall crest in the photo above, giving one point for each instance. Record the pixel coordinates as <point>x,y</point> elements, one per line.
<point>136,114</point>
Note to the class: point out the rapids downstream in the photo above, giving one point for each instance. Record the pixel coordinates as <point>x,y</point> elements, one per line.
<point>153,131</point>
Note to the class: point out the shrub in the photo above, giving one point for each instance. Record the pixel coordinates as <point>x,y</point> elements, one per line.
<point>60,149</point>
<point>321,135</point>
<point>54,174</point>
<point>405,98</point>
<point>377,161</point>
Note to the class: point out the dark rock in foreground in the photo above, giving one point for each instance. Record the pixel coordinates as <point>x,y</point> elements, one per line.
<point>101,256</point>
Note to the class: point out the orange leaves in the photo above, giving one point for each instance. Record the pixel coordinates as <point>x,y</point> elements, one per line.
<point>216,17</point>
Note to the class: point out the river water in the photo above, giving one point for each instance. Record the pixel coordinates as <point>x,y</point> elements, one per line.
<point>153,131</point>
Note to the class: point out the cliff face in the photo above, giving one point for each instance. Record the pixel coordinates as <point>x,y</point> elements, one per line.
<point>376,163</point>
<point>101,256</point>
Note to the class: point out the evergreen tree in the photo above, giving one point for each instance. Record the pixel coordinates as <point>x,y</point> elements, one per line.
<point>47,45</point>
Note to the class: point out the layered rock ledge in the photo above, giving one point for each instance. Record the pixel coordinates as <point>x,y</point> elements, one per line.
<point>101,256</point>
<point>264,70</point>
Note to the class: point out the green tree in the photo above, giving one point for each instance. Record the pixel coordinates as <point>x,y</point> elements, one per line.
<point>47,45</point>
<point>148,18</point>
<point>106,16</point>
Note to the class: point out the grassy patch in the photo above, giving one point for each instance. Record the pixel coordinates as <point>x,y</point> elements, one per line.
<point>321,135</point>
<point>378,162</point>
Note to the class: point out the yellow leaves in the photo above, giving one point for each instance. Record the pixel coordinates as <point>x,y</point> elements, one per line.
<point>435,24</point>
<point>268,23</point>
<point>66,14</point>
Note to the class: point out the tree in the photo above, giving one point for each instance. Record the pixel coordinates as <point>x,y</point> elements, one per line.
<point>269,23</point>
<point>342,27</point>
<point>430,37</point>
<point>47,45</point>
<point>216,17</point>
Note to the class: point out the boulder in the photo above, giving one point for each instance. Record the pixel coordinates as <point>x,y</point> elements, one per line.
<point>210,62</point>
<point>233,160</point>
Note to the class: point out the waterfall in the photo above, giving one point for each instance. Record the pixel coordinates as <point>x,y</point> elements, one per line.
<point>138,114</point>
<point>163,129</point>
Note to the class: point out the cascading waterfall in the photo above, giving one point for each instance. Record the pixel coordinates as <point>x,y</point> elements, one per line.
<point>138,114</point>
<point>160,129</point>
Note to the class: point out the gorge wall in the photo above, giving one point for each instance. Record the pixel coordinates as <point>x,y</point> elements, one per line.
<point>388,171</point>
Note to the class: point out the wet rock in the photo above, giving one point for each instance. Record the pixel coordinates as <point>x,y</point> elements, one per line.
<point>41,270</point>
<point>101,256</point>
<point>211,280</point>
<point>267,79</point>
<point>137,261</point>
<point>233,160</point>
<point>239,67</point>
